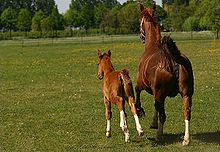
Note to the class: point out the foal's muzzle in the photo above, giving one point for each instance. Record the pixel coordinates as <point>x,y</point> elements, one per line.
<point>100,76</point>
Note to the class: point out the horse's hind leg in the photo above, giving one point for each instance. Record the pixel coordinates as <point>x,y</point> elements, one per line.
<point>134,112</point>
<point>123,124</point>
<point>108,115</point>
<point>187,103</point>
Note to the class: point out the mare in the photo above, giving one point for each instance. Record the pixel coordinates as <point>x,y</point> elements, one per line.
<point>117,88</point>
<point>163,71</point>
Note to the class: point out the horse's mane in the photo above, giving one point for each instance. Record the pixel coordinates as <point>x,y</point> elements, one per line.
<point>170,54</point>
<point>170,48</point>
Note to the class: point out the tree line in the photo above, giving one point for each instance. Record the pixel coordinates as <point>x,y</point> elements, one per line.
<point>193,15</point>
<point>106,16</point>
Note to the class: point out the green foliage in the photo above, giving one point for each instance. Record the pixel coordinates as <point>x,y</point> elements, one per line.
<point>24,20</point>
<point>56,19</point>
<point>46,24</point>
<point>44,5</point>
<point>36,21</point>
<point>9,18</point>
<point>100,12</point>
<point>129,18</point>
<point>191,24</point>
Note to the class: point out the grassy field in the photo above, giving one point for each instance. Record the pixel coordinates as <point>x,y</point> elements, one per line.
<point>51,98</point>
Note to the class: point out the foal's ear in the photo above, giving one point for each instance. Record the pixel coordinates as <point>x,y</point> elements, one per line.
<point>99,53</point>
<point>109,53</point>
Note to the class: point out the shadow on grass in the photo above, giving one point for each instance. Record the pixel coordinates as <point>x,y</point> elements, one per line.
<point>168,139</point>
<point>207,137</point>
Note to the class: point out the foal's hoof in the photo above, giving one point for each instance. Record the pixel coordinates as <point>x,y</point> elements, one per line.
<point>140,112</point>
<point>127,137</point>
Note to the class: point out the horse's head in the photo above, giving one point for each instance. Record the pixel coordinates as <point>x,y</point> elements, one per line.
<point>104,61</point>
<point>147,20</point>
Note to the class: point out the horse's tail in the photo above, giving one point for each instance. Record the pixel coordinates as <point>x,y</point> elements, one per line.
<point>169,47</point>
<point>127,83</point>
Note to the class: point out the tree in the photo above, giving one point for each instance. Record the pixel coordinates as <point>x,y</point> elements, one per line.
<point>87,13</point>
<point>46,24</point>
<point>191,24</point>
<point>44,5</point>
<point>56,20</point>
<point>100,11</point>
<point>36,21</point>
<point>217,20</point>
<point>24,20</point>
<point>129,18</point>
<point>9,19</point>
<point>109,3</point>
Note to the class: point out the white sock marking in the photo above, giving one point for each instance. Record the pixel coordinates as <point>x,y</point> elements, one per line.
<point>108,128</point>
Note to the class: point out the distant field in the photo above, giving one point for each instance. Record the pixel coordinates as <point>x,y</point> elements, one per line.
<point>51,98</point>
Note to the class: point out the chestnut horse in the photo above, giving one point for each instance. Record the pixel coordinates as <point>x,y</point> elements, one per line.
<point>163,71</point>
<point>117,87</point>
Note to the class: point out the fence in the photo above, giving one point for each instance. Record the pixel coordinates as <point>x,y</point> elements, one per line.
<point>20,41</point>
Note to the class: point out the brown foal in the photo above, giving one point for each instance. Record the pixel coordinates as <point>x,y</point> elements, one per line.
<point>117,88</point>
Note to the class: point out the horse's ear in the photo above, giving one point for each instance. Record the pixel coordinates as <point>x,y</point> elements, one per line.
<point>154,6</point>
<point>141,7</point>
<point>99,53</point>
<point>109,53</point>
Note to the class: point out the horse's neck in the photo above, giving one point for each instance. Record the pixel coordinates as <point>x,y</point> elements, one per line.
<point>152,40</point>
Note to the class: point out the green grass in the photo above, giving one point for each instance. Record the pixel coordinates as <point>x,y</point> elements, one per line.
<point>51,98</point>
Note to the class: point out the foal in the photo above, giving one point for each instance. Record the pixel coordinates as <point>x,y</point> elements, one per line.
<point>117,87</point>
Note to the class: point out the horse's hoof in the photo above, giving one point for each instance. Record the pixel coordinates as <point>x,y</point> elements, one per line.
<point>140,112</point>
<point>153,126</point>
<point>185,142</point>
<point>108,134</point>
<point>141,133</point>
<point>159,138</point>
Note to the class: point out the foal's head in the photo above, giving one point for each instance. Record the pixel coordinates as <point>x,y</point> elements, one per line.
<point>104,64</point>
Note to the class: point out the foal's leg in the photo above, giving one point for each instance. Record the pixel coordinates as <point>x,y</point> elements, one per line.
<point>162,118</point>
<point>123,124</point>
<point>108,115</point>
<point>187,103</point>
<point>134,112</point>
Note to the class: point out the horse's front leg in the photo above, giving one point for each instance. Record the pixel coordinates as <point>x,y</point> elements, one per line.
<point>140,110</point>
<point>108,115</point>
<point>154,123</point>
<point>159,106</point>
<point>187,103</point>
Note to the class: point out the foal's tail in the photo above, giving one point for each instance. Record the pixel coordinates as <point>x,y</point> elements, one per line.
<point>127,83</point>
